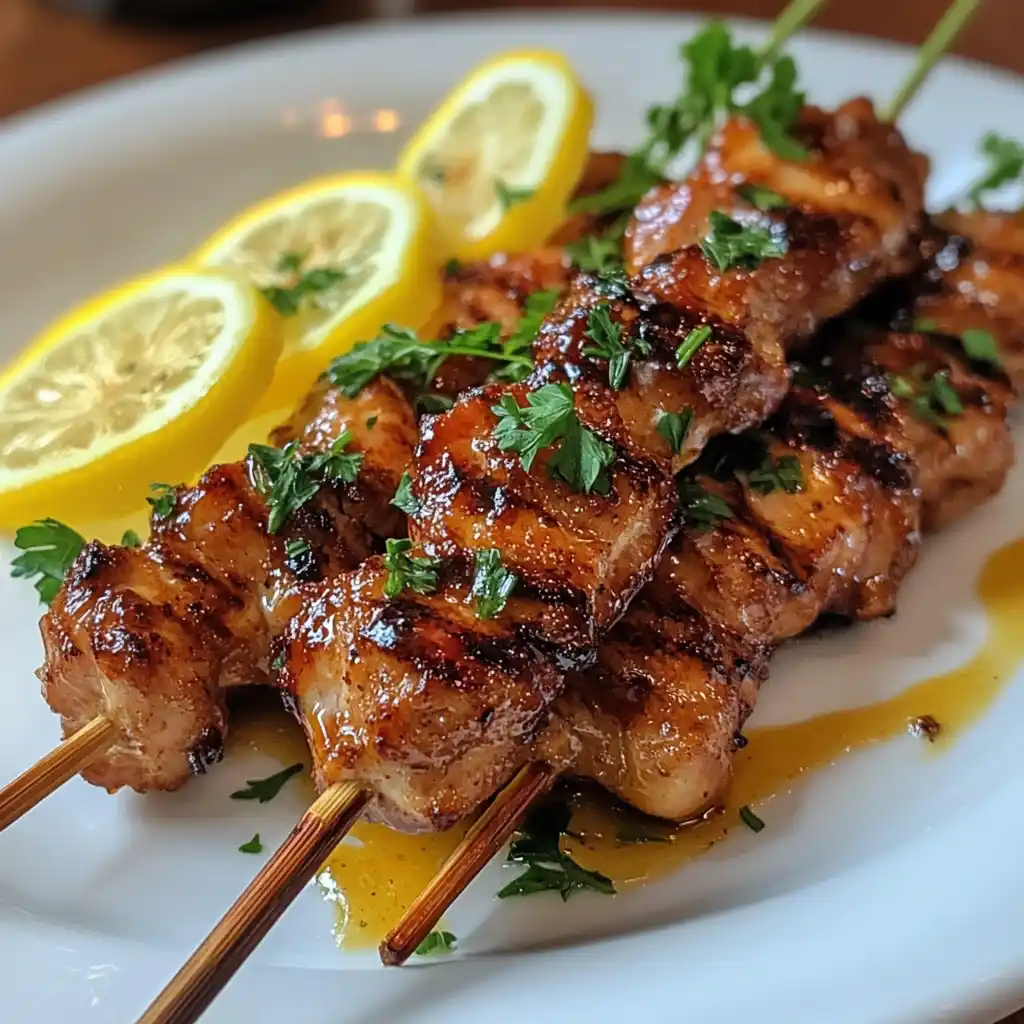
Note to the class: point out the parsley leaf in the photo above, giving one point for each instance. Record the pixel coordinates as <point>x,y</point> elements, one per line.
<point>163,499</point>
<point>537,844</point>
<point>674,427</point>
<point>750,819</point>
<point>981,346</point>
<point>404,498</point>
<point>932,398</point>
<point>417,572</point>
<point>509,195</point>
<point>581,460</point>
<point>783,474</point>
<point>309,284</point>
<point>436,943</point>
<point>702,509</point>
<point>49,549</point>
<point>688,346</point>
<point>607,337</point>
<point>636,178</point>
<point>253,846</point>
<point>596,255</point>
<point>130,539</point>
<point>300,559</point>
<point>730,244</point>
<point>492,583</point>
<point>266,789</point>
<point>1006,164</point>
<point>775,110</point>
<point>287,478</point>
<point>763,198</point>
<point>517,346</point>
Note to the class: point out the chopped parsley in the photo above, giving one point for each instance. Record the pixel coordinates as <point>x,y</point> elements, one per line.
<point>300,559</point>
<point>783,473</point>
<point>689,345</point>
<point>538,305</point>
<point>49,547</point>
<point>404,498</point>
<point>594,254</point>
<point>279,660</point>
<point>428,401</point>
<point>1005,159</point>
<point>305,284</point>
<point>674,427</point>
<point>730,244</point>
<point>266,789</point>
<point>750,819</point>
<point>452,267</point>
<point>775,109</point>
<point>287,478</point>
<point>509,195</point>
<point>702,509</point>
<point>371,422</point>
<point>636,178</point>
<point>163,499</point>
<point>252,846</point>
<point>763,198</point>
<point>492,584</point>
<point>130,539</point>
<point>932,398</point>
<point>436,944</point>
<point>417,572</point>
<point>538,845</point>
<point>981,346</point>
<point>581,459</point>
<point>606,335</point>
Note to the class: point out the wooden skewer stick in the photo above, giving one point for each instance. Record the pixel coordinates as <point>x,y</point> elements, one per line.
<point>49,773</point>
<point>485,838</point>
<point>253,914</point>
<point>509,807</point>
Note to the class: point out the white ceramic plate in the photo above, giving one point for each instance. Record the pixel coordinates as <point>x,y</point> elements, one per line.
<point>888,888</point>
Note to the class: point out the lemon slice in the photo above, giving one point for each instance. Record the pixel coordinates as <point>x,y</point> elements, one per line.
<point>339,256</point>
<point>139,384</point>
<point>500,157</point>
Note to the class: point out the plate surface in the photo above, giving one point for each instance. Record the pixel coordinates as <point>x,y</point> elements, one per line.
<point>887,888</point>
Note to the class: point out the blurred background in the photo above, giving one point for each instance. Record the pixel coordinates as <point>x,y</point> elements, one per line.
<point>52,47</point>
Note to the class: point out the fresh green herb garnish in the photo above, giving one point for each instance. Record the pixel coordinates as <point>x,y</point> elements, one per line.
<point>308,284</point>
<point>932,398</point>
<point>517,346</point>
<point>636,178</point>
<point>582,458</point>
<point>538,845</point>
<point>763,198</point>
<point>596,255</point>
<point>49,549</point>
<point>783,473</point>
<point>509,195</point>
<point>702,509</point>
<point>924,325</point>
<point>452,267</point>
<point>163,499</point>
<point>299,558</point>
<point>492,583</point>
<point>1005,164</point>
<point>371,422</point>
<point>429,402</point>
<point>607,337</point>
<point>730,244</point>
<point>775,109</point>
<point>266,789</point>
<point>689,345</point>
<point>286,478</point>
<point>981,346</point>
<point>417,572</point>
<point>253,846</point>
<point>436,944</point>
<point>130,539</point>
<point>404,498</point>
<point>279,660</point>
<point>750,819</point>
<point>674,427</point>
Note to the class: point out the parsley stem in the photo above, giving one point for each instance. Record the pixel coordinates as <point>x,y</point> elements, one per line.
<point>788,23</point>
<point>941,38</point>
<point>443,348</point>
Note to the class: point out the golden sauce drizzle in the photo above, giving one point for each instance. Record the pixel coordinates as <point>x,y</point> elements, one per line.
<point>373,882</point>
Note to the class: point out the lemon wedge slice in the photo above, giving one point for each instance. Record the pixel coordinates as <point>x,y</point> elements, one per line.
<point>141,383</point>
<point>500,157</point>
<point>338,257</point>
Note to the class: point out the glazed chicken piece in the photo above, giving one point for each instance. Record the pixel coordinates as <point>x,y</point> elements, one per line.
<point>152,636</point>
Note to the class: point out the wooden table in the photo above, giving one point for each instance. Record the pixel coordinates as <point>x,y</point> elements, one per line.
<point>45,53</point>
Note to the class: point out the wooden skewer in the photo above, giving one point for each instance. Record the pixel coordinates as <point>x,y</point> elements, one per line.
<point>49,773</point>
<point>253,914</point>
<point>485,838</point>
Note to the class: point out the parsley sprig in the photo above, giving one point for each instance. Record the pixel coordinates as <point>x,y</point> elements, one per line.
<point>1005,159</point>
<point>492,583</point>
<point>782,473</point>
<point>304,285</point>
<point>48,548</point>
<point>674,426</point>
<point>549,868</point>
<point>606,335</point>
<point>549,417</point>
<point>436,944</point>
<point>932,398</point>
<point>702,509</point>
<point>729,244</point>
<point>287,478</point>
<point>266,789</point>
<point>404,498</point>
<point>417,572</point>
